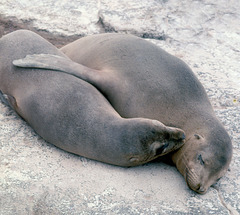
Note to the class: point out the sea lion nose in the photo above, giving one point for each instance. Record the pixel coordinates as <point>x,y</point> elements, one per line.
<point>201,189</point>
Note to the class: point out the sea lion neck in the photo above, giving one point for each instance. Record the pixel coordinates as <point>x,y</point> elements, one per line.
<point>202,125</point>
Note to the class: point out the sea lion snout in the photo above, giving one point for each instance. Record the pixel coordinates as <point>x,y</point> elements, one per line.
<point>204,159</point>
<point>173,139</point>
<point>193,179</point>
<point>201,190</point>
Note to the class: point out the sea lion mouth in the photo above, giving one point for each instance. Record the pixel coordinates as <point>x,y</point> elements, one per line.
<point>193,183</point>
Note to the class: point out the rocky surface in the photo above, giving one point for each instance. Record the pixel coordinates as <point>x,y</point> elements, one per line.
<point>38,178</point>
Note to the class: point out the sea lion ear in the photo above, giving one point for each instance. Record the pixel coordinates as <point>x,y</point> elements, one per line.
<point>198,136</point>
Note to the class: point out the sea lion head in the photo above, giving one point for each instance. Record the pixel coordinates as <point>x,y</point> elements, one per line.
<point>204,158</point>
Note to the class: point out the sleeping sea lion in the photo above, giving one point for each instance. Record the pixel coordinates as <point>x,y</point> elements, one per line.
<point>140,79</point>
<point>72,114</point>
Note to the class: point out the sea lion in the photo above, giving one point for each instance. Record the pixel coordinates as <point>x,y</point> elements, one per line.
<point>72,114</point>
<point>142,80</point>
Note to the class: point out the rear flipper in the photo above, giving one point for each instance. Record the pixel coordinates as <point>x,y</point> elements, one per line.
<point>8,100</point>
<point>3,99</point>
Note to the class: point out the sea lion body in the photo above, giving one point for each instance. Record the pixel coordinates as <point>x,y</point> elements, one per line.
<point>142,80</point>
<point>71,114</point>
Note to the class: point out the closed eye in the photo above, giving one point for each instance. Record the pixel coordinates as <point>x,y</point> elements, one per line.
<point>200,159</point>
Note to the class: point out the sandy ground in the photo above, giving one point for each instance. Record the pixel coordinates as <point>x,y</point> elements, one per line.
<point>38,178</point>
<point>9,24</point>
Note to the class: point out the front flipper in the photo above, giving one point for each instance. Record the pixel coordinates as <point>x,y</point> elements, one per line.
<point>61,64</point>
